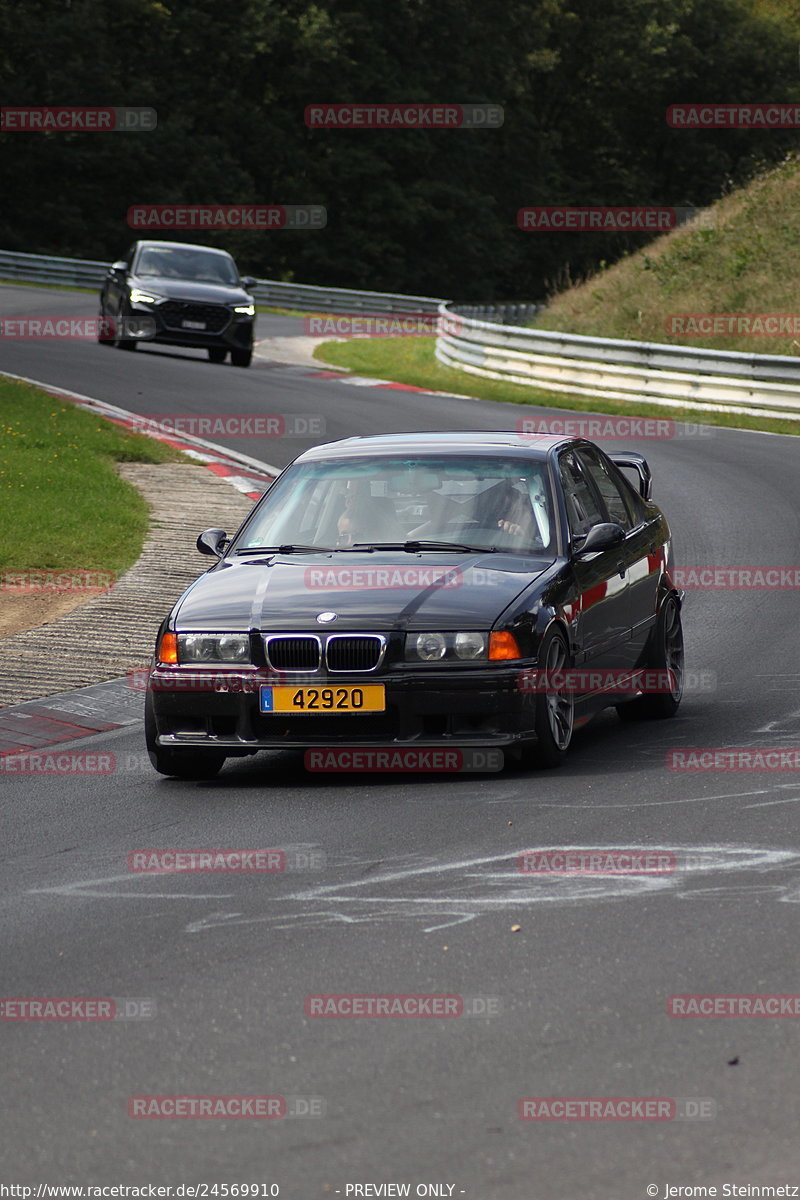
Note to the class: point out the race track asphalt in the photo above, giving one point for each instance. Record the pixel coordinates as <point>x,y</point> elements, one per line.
<point>417,891</point>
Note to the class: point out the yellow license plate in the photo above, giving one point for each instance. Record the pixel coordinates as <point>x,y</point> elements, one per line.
<point>317,701</point>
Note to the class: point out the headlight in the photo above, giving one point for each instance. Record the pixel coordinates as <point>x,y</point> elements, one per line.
<point>470,645</point>
<point>213,647</point>
<point>140,297</point>
<point>247,310</point>
<point>430,646</point>
<point>467,646</point>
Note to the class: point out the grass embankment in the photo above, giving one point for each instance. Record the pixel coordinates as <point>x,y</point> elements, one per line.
<point>736,258</point>
<point>63,504</point>
<point>411,360</point>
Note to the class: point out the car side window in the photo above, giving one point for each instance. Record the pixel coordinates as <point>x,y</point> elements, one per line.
<point>607,486</point>
<point>129,256</point>
<point>583,505</point>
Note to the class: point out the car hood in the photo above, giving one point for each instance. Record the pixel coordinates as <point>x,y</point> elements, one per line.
<point>188,289</point>
<point>377,591</point>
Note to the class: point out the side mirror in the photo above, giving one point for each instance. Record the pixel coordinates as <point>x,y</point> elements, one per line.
<point>119,268</point>
<point>212,541</point>
<point>248,282</point>
<point>601,537</point>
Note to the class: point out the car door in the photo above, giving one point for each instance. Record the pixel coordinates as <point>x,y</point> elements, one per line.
<point>638,552</point>
<point>601,578</point>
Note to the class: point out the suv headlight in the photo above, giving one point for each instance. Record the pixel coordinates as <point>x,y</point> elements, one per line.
<point>247,310</point>
<point>213,647</point>
<point>140,297</point>
<point>464,646</point>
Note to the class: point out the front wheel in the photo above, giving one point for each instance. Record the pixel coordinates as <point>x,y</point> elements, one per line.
<point>217,354</point>
<point>105,328</point>
<point>181,764</point>
<point>555,708</point>
<point>122,343</point>
<point>241,358</point>
<point>667,660</point>
<point>187,764</point>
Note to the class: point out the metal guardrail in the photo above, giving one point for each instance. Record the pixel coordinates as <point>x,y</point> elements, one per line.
<point>76,272</point>
<point>482,340</point>
<point>41,268</point>
<point>674,376</point>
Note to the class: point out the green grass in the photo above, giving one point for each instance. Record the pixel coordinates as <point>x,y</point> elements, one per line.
<point>63,504</point>
<point>411,360</point>
<point>736,257</point>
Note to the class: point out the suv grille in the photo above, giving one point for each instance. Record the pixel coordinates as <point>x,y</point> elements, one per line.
<point>357,653</point>
<point>213,316</point>
<point>294,653</point>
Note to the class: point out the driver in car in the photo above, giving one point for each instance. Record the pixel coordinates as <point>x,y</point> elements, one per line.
<point>507,506</point>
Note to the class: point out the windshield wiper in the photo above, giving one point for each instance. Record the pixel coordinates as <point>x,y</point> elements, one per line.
<point>413,546</point>
<point>287,548</point>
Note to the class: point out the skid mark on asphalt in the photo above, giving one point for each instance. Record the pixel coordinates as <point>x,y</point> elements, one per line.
<point>479,889</point>
<point>89,888</point>
<point>639,804</point>
<point>444,894</point>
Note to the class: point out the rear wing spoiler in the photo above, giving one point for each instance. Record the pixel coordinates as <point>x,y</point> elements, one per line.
<point>637,463</point>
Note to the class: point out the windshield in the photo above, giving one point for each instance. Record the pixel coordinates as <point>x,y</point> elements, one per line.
<point>200,266</point>
<point>482,502</point>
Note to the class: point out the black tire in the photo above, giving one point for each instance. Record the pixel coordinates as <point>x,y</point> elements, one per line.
<point>181,764</point>
<point>554,716</point>
<point>241,358</point>
<point>217,354</point>
<point>187,764</point>
<point>104,323</point>
<point>122,343</point>
<point>666,655</point>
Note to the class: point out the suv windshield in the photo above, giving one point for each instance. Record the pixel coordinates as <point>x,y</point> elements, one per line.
<point>480,501</point>
<point>200,266</point>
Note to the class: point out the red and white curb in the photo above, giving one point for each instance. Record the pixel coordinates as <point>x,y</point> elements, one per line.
<point>246,474</point>
<point>366,381</point>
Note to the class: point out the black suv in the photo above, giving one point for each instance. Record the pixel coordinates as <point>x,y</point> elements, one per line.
<point>179,295</point>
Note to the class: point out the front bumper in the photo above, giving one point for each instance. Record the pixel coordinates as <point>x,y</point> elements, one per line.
<point>220,709</point>
<point>236,334</point>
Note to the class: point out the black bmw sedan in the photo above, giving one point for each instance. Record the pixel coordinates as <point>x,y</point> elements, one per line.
<point>179,295</point>
<point>424,590</point>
